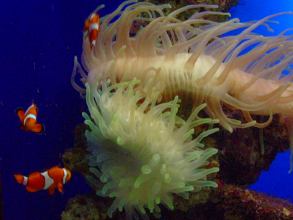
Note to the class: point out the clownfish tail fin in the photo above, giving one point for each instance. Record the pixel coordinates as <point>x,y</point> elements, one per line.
<point>19,178</point>
<point>20,114</point>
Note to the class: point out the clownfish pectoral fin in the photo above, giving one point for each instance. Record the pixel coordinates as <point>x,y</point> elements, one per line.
<point>37,128</point>
<point>20,114</point>
<point>30,189</point>
<point>51,190</point>
<point>60,187</point>
<point>19,178</point>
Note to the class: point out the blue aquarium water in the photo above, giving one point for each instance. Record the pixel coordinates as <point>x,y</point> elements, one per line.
<point>276,181</point>
<point>37,44</point>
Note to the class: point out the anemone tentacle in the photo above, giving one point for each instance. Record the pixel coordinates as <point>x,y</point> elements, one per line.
<point>144,153</point>
<point>198,59</point>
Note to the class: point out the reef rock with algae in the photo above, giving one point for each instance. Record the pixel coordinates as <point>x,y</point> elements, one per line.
<point>224,5</point>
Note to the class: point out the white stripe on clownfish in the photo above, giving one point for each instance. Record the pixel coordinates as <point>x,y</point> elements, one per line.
<point>29,116</point>
<point>94,26</point>
<point>64,176</point>
<point>24,181</point>
<point>48,180</point>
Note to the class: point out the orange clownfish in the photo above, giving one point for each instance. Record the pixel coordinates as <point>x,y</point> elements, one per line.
<point>28,119</point>
<point>92,28</point>
<point>50,180</point>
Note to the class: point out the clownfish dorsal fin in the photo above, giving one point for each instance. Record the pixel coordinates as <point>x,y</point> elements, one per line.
<point>55,167</point>
<point>35,173</point>
<point>32,109</point>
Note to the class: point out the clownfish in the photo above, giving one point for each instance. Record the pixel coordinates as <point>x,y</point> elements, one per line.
<point>50,180</point>
<point>92,28</point>
<point>28,119</point>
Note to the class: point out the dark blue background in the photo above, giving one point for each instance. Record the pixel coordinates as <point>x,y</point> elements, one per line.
<point>38,40</point>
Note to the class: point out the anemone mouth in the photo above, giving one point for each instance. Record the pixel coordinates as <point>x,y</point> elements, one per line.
<point>143,152</point>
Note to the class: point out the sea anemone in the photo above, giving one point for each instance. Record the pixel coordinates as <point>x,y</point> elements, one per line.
<point>144,153</point>
<point>200,60</point>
